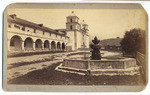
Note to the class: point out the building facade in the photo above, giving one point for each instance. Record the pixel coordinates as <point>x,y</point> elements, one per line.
<point>77,33</point>
<point>112,44</point>
<point>23,35</point>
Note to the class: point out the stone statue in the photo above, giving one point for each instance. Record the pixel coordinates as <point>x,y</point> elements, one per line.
<point>96,55</point>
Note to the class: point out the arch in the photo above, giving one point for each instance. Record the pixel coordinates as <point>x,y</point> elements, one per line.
<point>46,44</point>
<point>63,46</point>
<point>53,47</point>
<point>16,43</point>
<point>28,43</point>
<point>58,46</point>
<point>38,44</point>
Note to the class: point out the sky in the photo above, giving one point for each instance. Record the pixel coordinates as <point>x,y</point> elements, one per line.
<point>103,23</point>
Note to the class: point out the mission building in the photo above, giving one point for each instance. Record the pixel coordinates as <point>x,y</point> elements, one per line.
<point>23,35</point>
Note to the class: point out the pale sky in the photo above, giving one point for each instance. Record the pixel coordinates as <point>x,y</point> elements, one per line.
<point>103,23</point>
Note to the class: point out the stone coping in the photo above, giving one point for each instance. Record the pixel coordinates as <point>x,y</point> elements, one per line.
<point>111,59</point>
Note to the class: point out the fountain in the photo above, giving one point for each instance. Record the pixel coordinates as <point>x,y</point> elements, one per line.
<point>96,55</point>
<point>85,64</point>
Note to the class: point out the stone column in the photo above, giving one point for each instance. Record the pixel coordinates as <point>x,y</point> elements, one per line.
<point>42,46</point>
<point>33,46</point>
<point>56,47</point>
<point>61,47</point>
<point>49,46</point>
<point>64,47</point>
<point>22,45</point>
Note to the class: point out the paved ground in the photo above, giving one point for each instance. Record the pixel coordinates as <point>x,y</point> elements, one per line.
<point>39,69</point>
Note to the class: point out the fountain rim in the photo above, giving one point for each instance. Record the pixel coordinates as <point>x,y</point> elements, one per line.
<point>89,60</point>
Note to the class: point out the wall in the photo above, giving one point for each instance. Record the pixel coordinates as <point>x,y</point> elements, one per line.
<point>29,32</point>
<point>141,61</point>
<point>87,41</point>
<point>71,42</point>
<point>38,33</point>
<point>74,26</point>
<point>79,39</point>
<point>100,64</point>
<point>74,19</point>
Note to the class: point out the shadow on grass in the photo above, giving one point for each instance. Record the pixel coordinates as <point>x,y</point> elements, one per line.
<point>49,76</point>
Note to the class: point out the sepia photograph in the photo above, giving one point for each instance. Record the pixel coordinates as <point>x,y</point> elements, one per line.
<point>75,45</point>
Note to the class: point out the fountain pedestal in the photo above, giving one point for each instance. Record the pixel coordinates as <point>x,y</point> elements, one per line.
<point>96,55</point>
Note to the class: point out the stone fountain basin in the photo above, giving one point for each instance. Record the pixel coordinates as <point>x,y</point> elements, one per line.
<point>112,63</point>
<point>106,66</point>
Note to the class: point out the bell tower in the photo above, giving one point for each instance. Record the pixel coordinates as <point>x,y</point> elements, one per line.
<point>72,22</point>
<point>72,27</point>
<point>77,33</point>
<point>85,36</point>
<point>84,26</point>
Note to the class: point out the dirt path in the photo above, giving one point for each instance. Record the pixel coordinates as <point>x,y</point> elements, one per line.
<point>32,58</point>
<point>18,66</point>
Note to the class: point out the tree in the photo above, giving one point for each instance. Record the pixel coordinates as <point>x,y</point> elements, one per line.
<point>133,41</point>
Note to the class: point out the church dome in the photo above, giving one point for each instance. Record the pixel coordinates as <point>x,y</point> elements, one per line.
<point>83,22</point>
<point>72,14</point>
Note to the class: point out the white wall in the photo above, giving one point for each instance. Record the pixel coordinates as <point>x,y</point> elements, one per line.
<point>38,33</point>
<point>71,42</point>
<point>79,39</point>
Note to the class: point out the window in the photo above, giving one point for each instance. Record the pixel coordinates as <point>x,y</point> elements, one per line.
<point>43,32</point>
<point>49,34</point>
<point>56,35</point>
<point>9,25</point>
<point>70,20</point>
<point>28,30</point>
<point>34,30</point>
<point>70,27</point>
<point>16,26</point>
<point>23,28</point>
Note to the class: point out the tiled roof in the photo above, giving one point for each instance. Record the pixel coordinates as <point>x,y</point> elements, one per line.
<point>14,19</point>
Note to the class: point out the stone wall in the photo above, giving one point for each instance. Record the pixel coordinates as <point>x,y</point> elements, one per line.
<point>141,61</point>
<point>78,64</point>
